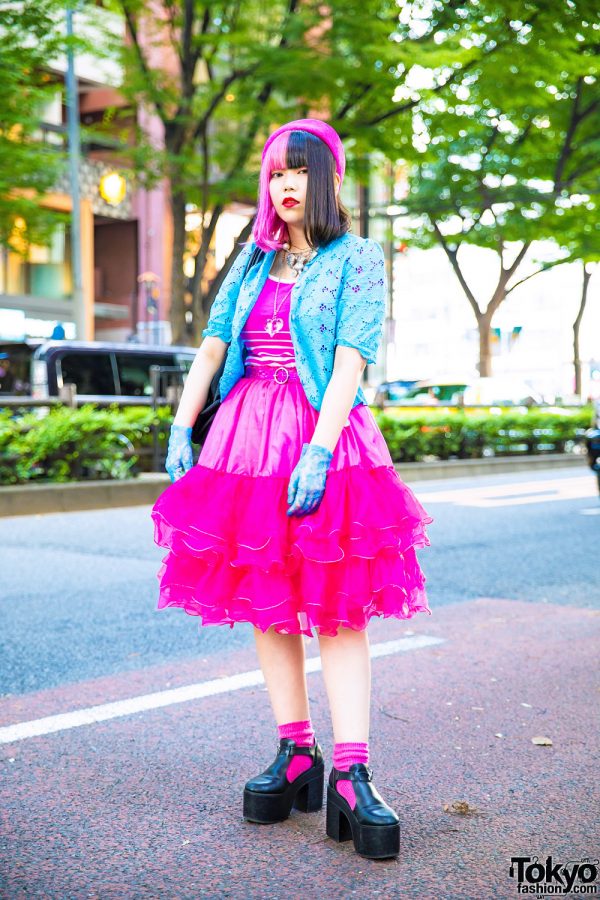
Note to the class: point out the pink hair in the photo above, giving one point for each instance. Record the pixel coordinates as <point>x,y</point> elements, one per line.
<point>269,230</point>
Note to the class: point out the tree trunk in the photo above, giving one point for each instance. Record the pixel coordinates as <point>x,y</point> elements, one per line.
<point>178,329</point>
<point>484,323</point>
<point>202,302</point>
<point>576,326</point>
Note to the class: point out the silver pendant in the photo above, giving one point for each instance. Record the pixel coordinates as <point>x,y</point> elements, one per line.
<point>297,261</point>
<point>273,326</point>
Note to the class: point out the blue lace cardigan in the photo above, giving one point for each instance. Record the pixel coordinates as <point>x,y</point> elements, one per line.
<point>339,298</point>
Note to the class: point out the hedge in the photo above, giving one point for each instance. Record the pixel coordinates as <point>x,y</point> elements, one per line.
<point>462,434</point>
<point>66,444</point>
<point>71,444</point>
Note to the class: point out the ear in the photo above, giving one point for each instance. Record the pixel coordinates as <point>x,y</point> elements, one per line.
<point>337,182</point>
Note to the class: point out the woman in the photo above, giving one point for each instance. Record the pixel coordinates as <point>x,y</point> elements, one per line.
<point>293,517</point>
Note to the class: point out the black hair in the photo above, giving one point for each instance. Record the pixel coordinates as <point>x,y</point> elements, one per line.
<point>325,216</point>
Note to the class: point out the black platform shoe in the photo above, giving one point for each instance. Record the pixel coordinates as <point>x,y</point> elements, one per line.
<point>372,824</point>
<point>270,796</point>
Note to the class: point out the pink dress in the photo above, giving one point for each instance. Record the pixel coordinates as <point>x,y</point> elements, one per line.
<point>234,555</point>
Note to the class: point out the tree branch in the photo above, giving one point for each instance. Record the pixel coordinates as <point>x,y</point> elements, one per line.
<point>404,107</point>
<point>218,97</point>
<point>544,268</point>
<point>187,56</point>
<point>566,147</point>
<point>453,257</point>
<point>517,261</point>
<point>584,295</point>
<point>132,26</point>
<point>352,101</point>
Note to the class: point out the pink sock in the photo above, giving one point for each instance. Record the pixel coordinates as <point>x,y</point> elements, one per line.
<point>344,755</point>
<point>303,734</point>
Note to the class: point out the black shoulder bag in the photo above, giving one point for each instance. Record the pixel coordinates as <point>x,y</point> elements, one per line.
<point>205,417</point>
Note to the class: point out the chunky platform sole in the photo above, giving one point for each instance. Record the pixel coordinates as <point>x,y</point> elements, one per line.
<point>304,793</point>
<point>372,841</point>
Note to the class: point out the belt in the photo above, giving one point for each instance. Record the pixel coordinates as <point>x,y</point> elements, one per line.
<point>280,374</point>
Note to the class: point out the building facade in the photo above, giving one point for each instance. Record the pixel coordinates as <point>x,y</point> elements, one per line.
<point>124,230</point>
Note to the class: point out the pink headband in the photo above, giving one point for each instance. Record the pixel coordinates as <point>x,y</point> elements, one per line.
<point>320,129</point>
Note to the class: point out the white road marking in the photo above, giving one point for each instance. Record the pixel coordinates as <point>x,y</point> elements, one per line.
<point>515,494</point>
<point>92,714</point>
<point>595,511</point>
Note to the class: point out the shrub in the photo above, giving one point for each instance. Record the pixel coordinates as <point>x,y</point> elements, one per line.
<point>70,444</point>
<point>66,444</point>
<point>460,434</point>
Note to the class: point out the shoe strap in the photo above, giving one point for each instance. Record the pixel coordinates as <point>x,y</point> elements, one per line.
<point>291,748</point>
<point>358,772</point>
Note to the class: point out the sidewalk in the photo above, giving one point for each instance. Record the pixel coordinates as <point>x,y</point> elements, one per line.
<point>33,499</point>
<point>148,805</point>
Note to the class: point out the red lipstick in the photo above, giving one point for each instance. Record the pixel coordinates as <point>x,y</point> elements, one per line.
<point>289,202</point>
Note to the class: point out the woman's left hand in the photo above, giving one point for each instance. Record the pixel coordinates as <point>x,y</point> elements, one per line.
<point>307,481</point>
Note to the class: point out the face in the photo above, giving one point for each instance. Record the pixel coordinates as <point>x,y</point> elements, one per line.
<point>285,187</point>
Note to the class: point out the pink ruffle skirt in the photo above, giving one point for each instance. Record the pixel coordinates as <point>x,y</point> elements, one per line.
<point>236,556</point>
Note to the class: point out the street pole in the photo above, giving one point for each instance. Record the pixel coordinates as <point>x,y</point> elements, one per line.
<point>150,282</point>
<point>74,153</point>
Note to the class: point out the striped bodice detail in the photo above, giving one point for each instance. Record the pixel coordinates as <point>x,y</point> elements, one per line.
<point>264,349</point>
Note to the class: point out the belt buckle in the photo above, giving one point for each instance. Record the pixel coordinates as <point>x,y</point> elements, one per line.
<point>281,369</point>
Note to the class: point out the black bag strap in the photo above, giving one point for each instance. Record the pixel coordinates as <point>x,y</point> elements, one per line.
<point>255,257</point>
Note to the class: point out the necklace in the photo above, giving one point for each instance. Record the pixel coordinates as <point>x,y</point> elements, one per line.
<point>275,324</point>
<point>297,261</point>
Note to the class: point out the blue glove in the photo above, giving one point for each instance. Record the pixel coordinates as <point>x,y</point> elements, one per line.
<point>307,481</point>
<point>180,458</point>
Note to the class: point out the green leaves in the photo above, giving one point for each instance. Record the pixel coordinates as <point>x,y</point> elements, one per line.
<point>72,444</point>
<point>28,167</point>
<point>68,444</point>
<point>413,436</point>
<point>515,137</point>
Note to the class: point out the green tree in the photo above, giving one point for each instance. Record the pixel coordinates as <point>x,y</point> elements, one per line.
<point>580,238</point>
<point>511,152</point>
<point>220,74</point>
<point>29,38</point>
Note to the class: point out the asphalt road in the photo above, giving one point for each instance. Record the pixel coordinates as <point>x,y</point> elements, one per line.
<point>78,590</point>
<point>126,734</point>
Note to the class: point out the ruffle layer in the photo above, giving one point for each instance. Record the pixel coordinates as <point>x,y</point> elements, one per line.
<point>236,556</point>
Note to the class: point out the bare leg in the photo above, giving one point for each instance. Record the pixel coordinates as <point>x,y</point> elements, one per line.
<point>347,673</point>
<point>281,658</point>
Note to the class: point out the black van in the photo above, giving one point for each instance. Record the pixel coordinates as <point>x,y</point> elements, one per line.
<point>15,367</point>
<point>98,369</point>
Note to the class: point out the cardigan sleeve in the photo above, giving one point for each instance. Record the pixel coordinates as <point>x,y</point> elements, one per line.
<point>223,306</point>
<point>361,305</point>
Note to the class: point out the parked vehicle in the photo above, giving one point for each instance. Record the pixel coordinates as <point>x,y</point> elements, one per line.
<point>501,390</point>
<point>15,367</point>
<point>592,444</point>
<point>392,391</point>
<point>434,393</point>
<point>98,369</point>
<point>492,391</point>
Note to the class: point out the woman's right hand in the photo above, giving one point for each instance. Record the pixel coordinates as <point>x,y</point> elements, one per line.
<point>180,458</point>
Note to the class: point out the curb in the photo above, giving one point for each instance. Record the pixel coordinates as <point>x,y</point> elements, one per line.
<point>34,499</point>
<point>500,465</point>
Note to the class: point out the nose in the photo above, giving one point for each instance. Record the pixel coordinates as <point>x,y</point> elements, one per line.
<point>289,181</point>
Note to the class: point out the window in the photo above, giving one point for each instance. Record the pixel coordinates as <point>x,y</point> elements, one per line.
<point>134,372</point>
<point>91,373</point>
<point>185,361</point>
<point>42,271</point>
<point>14,369</point>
